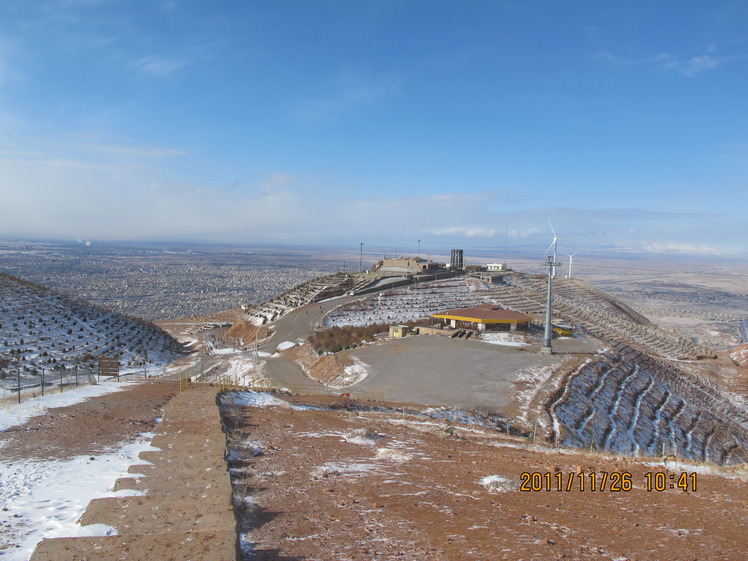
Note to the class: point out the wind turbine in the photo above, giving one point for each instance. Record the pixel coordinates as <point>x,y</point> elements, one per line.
<point>571,263</point>
<point>548,335</point>
<point>553,245</point>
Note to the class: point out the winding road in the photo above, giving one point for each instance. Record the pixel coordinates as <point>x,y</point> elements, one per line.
<point>295,327</point>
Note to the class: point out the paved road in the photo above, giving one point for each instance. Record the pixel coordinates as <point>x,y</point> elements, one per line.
<point>744,329</point>
<point>286,372</point>
<point>294,327</point>
<point>297,325</point>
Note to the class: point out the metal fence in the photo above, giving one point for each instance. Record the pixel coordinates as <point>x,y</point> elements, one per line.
<point>17,387</point>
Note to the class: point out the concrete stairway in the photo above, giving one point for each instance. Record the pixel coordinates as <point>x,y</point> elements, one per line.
<point>185,509</point>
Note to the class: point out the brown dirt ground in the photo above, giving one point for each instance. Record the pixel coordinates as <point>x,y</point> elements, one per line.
<point>414,491</point>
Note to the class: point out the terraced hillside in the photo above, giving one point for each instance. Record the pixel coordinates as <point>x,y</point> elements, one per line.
<point>301,295</point>
<point>627,402</point>
<point>41,329</point>
<point>602,316</point>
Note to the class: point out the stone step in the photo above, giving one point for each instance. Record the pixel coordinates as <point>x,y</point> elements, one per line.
<point>205,546</point>
<point>185,511</point>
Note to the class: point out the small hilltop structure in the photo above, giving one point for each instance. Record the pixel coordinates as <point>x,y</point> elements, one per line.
<point>408,266</point>
<point>485,317</point>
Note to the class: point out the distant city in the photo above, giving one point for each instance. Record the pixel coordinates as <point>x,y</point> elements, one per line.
<point>160,283</point>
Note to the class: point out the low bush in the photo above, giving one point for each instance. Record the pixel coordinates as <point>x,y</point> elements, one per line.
<point>337,339</point>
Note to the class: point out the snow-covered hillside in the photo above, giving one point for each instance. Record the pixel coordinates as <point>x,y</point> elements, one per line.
<point>41,329</point>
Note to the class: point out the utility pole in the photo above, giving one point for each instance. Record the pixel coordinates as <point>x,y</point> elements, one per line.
<point>419,248</point>
<point>546,348</point>
<point>361,259</point>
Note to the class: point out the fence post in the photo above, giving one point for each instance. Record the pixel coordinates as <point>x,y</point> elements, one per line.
<point>62,385</point>
<point>42,382</point>
<point>18,372</point>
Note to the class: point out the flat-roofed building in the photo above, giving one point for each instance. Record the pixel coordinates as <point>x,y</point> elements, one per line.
<point>399,330</point>
<point>408,265</point>
<point>485,317</point>
<point>496,267</point>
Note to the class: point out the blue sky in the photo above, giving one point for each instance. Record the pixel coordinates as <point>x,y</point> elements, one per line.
<point>624,123</point>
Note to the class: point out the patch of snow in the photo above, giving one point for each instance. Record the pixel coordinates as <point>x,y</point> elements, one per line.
<point>353,468</point>
<point>252,399</point>
<point>362,437</point>
<point>497,483</point>
<point>307,408</point>
<point>537,378</point>
<point>46,499</point>
<point>394,455</point>
<point>313,434</point>
<point>352,375</point>
<point>285,345</point>
<point>506,339</point>
<point>226,351</point>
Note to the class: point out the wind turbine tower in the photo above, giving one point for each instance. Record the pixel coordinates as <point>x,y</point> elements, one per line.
<point>571,263</point>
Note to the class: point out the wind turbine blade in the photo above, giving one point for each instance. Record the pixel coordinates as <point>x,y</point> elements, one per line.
<point>549,247</point>
<point>552,230</point>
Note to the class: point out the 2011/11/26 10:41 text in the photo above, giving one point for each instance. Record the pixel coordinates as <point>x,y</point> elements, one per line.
<point>614,481</point>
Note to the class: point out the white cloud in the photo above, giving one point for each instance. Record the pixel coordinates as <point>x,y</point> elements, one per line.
<point>349,93</point>
<point>674,247</point>
<point>131,151</point>
<point>276,180</point>
<point>526,233</point>
<point>688,66</point>
<point>463,231</point>
<point>159,66</point>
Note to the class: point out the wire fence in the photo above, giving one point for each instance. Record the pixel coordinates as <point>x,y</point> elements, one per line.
<point>18,388</point>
